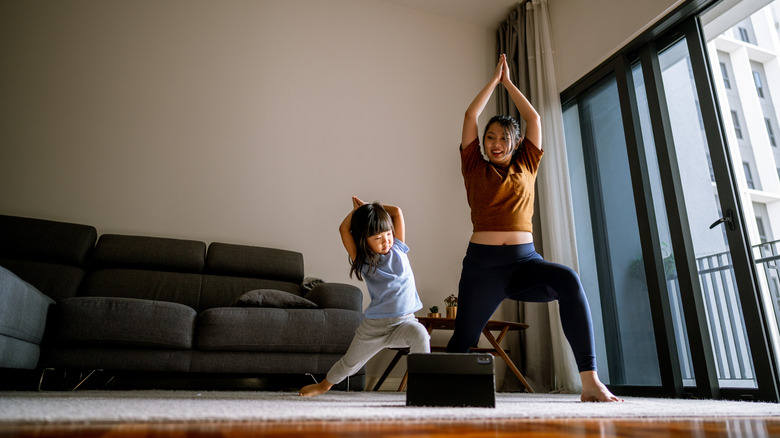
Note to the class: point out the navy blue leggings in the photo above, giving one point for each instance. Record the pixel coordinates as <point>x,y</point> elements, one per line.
<point>493,273</point>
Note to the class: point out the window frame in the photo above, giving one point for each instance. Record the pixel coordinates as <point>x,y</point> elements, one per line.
<point>684,22</point>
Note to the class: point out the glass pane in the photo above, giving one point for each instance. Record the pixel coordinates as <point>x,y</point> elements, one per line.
<point>754,144</point>
<point>670,268</point>
<point>713,257</point>
<point>608,245</point>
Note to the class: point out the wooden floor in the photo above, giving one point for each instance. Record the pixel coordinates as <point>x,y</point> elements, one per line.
<point>733,428</point>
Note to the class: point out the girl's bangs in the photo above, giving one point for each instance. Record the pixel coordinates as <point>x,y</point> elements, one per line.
<point>379,222</point>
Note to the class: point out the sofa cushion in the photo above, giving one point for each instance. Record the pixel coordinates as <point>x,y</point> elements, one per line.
<point>47,254</point>
<point>24,309</point>
<point>254,261</point>
<point>273,298</point>
<point>337,296</point>
<point>54,280</point>
<point>149,253</point>
<point>45,241</point>
<point>276,330</point>
<point>175,287</point>
<point>223,291</point>
<point>125,322</point>
<point>18,354</point>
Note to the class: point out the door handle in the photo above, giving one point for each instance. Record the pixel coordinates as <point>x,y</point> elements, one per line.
<point>727,219</point>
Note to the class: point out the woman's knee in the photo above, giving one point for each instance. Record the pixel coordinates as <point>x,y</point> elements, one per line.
<point>565,281</point>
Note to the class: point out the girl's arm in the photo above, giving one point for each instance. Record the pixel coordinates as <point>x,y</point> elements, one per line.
<point>346,236</point>
<point>533,128</point>
<point>470,128</point>
<point>398,222</point>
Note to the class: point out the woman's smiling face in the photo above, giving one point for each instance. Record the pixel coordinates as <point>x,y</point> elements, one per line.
<point>498,144</point>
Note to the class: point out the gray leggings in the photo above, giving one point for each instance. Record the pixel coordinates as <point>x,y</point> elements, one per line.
<point>375,334</point>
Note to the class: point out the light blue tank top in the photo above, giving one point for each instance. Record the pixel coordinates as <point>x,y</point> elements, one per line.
<point>391,287</point>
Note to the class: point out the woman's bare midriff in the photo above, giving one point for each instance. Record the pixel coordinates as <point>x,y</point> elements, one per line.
<point>501,237</point>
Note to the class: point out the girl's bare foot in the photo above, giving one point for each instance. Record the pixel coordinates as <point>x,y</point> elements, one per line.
<point>319,388</point>
<point>595,391</point>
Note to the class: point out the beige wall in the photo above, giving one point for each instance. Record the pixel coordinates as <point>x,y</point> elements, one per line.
<point>585,33</point>
<point>253,122</point>
<point>247,122</point>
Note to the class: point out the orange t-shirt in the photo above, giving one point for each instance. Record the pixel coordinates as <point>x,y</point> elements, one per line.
<point>501,199</point>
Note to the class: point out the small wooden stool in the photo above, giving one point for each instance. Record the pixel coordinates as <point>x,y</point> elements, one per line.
<point>432,324</point>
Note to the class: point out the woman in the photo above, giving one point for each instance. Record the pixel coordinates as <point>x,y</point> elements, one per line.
<point>501,261</point>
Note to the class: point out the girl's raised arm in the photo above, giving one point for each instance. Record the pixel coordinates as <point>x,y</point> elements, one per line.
<point>398,222</point>
<point>470,128</point>
<point>346,236</point>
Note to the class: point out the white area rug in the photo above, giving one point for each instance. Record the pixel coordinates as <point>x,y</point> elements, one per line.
<point>159,406</point>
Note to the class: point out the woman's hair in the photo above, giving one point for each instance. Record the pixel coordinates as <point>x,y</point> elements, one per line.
<point>367,220</point>
<point>511,129</point>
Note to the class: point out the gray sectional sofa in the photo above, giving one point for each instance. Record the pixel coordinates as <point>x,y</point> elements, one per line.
<point>123,303</point>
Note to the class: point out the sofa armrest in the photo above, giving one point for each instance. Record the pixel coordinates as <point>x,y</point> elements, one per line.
<point>24,308</point>
<point>336,296</point>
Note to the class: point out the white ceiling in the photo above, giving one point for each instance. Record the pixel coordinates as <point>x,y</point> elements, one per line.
<point>485,13</point>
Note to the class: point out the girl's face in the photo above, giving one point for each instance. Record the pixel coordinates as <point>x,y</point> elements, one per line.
<point>498,145</point>
<point>380,243</point>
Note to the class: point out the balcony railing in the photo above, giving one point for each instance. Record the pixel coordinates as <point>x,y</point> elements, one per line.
<point>724,314</point>
<point>767,256</point>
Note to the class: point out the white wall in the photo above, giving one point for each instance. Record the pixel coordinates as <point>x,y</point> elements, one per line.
<point>253,122</point>
<point>586,33</point>
<point>246,122</point>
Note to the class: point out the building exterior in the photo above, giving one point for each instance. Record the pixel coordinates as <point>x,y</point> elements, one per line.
<point>746,65</point>
<point>745,61</point>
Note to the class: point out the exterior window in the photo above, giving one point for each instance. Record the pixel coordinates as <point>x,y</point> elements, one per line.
<point>770,132</point>
<point>759,84</point>
<point>725,73</point>
<point>748,175</point>
<point>761,230</point>
<point>743,34</point>
<point>737,128</point>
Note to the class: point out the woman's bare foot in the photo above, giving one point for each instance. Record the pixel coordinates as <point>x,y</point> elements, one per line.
<point>319,388</point>
<point>595,391</point>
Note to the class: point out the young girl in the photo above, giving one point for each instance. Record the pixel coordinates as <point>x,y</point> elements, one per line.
<point>373,236</point>
<point>501,261</point>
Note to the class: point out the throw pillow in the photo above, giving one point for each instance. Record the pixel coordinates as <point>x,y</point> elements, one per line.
<point>310,282</point>
<point>273,298</point>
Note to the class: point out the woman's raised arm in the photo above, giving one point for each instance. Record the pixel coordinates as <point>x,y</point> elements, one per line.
<point>533,122</point>
<point>470,128</point>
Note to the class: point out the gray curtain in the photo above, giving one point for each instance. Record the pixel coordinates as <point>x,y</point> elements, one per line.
<point>547,359</point>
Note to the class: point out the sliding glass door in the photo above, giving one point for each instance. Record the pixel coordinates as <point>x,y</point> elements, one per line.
<point>661,228</point>
<point>717,279</point>
<point>742,47</point>
<point>608,238</point>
